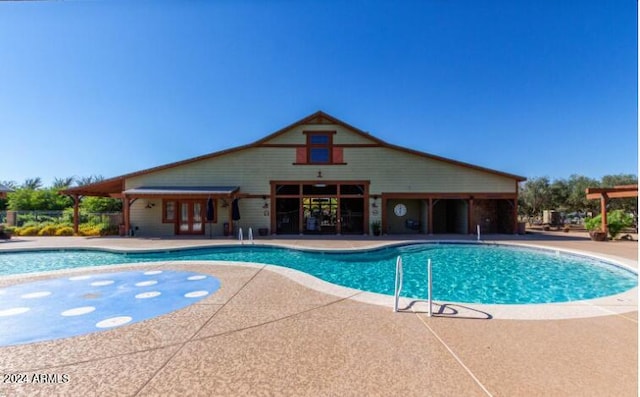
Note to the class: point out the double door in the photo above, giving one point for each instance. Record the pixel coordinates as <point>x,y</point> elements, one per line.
<point>191,216</point>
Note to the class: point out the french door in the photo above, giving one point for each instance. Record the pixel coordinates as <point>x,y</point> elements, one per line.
<point>191,217</point>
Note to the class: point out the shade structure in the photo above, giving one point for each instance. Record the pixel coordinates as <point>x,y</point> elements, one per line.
<point>210,209</point>
<point>235,210</point>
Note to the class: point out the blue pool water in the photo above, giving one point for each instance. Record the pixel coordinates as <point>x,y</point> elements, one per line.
<point>470,273</point>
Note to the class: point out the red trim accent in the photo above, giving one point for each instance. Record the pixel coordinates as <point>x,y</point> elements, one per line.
<point>301,155</point>
<point>337,155</point>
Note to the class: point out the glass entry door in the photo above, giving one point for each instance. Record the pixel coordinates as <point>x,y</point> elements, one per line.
<point>191,217</point>
<point>320,214</point>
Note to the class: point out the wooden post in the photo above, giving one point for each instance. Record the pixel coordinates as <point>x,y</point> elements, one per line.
<point>126,214</point>
<point>603,212</point>
<point>470,227</point>
<point>76,203</point>
<point>515,215</point>
<point>430,215</point>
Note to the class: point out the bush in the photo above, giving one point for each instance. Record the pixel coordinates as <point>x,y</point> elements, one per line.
<point>593,223</point>
<point>64,231</point>
<point>28,231</point>
<point>616,221</point>
<point>89,229</point>
<point>48,230</point>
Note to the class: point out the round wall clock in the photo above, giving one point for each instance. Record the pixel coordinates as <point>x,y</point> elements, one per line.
<point>400,210</point>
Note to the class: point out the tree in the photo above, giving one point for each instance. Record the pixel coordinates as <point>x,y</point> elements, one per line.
<point>62,183</point>
<point>628,205</point>
<point>559,193</point>
<point>577,199</point>
<point>87,180</point>
<point>535,196</point>
<point>101,204</point>
<point>32,183</point>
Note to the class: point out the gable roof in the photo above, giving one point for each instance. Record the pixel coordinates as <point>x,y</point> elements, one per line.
<point>116,185</point>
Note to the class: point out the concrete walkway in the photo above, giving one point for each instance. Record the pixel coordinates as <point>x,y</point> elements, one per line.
<point>264,333</point>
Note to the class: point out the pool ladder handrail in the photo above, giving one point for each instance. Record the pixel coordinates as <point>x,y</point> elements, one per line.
<point>398,285</point>
<point>250,237</point>
<point>241,237</point>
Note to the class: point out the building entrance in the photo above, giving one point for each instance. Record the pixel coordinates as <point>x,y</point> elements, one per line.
<point>320,208</point>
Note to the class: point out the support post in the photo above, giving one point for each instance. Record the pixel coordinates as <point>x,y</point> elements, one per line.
<point>126,214</point>
<point>515,216</point>
<point>470,216</point>
<point>603,212</point>
<point>76,204</point>
<point>430,215</point>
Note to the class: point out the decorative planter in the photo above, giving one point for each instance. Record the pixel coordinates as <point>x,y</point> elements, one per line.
<point>597,235</point>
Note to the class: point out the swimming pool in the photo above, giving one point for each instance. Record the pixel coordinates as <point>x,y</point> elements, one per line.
<point>466,273</point>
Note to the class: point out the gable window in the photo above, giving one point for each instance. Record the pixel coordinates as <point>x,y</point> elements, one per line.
<point>319,147</point>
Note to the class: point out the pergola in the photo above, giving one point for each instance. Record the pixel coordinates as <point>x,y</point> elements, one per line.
<point>607,193</point>
<point>4,190</point>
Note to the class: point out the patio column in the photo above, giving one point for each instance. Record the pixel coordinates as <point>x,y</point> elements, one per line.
<point>76,203</point>
<point>126,213</point>
<point>430,215</point>
<point>470,216</point>
<point>515,215</point>
<point>603,211</point>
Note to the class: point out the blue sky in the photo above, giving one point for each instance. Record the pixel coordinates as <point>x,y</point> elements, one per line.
<point>534,88</point>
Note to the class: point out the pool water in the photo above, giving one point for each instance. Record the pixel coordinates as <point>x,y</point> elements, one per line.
<point>466,273</point>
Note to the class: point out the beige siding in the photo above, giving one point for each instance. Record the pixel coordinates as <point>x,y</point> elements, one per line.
<point>388,170</point>
<point>395,171</point>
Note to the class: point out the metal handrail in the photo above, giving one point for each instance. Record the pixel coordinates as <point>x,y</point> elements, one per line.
<point>398,283</point>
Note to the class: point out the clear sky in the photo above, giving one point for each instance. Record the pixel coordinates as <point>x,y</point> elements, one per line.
<point>533,88</point>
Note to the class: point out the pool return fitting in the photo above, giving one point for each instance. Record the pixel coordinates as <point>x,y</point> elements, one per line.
<point>398,285</point>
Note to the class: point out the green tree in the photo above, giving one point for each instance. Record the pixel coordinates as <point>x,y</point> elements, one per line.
<point>559,193</point>
<point>62,183</point>
<point>87,180</point>
<point>101,204</point>
<point>577,199</point>
<point>629,205</point>
<point>32,183</point>
<point>535,196</point>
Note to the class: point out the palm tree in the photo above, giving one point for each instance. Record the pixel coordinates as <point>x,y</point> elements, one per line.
<point>32,183</point>
<point>62,183</point>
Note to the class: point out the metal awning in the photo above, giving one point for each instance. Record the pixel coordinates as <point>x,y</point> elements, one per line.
<point>181,190</point>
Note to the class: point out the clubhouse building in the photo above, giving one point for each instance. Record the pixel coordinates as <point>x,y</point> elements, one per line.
<point>318,175</point>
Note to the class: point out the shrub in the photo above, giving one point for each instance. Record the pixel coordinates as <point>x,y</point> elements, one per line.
<point>89,229</point>
<point>593,223</point>
<point>616,221</point>
<point>8,229</point>
<point>28,231</point>
<point>64,231</point>
<point>48,230</point>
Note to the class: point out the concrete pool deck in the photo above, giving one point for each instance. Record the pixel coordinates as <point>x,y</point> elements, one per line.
<point>263,333</point>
